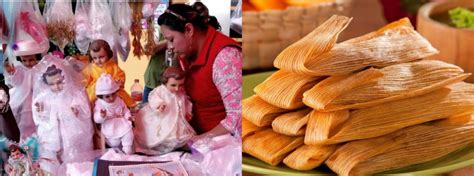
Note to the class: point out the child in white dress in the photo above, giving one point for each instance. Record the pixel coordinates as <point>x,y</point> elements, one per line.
<point>63,118</point>
<point>162,125</point>
<point>110,111</point>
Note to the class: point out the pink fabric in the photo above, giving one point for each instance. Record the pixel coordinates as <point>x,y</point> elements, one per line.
<point>227,76</point>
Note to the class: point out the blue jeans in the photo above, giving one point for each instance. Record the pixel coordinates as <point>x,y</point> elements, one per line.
<point>146,92</point>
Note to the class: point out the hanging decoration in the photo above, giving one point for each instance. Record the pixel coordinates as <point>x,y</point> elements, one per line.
<point>136,27</point>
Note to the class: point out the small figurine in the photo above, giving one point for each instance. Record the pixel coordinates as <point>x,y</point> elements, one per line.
<point>62,115</point>
<point>22,156</point>
<point>112,112</point>
<point>19,164</point>
<point>162,125</point>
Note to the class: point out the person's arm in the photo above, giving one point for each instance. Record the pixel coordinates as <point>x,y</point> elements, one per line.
<point>227,76</point>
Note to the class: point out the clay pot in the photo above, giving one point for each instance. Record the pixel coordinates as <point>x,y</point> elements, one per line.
<point>456,45</point>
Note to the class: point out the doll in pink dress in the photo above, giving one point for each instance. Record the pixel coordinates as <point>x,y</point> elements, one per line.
<point>162,125</point>
<point>110,111</point>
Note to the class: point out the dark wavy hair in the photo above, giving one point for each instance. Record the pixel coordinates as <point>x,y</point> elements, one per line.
<point>51,71</point>
<point>178,15</point>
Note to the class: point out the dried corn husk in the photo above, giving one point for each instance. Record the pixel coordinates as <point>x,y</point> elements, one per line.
<point>395,43</point>
<point>308,157</point>
<point>411,145</point>
<point>330,88</point>
<point>320,40</point>
<point>369,87</point>
<point>322,124</point>
<point>269,146</point>
<point>292,123</point>
<point>259,112</point>
<point>284,89</point>
<point>456,99</point>
<point>248,128</point>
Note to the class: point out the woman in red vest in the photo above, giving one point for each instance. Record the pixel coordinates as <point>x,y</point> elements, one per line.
<point>213,66</point>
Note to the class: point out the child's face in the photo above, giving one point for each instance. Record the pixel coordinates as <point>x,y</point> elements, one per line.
<point>109,98</point>
<point>29,61</point>
<point>174,85</point>
<point>56,82</point>
<point>100,57</point>
<point>15,154</point>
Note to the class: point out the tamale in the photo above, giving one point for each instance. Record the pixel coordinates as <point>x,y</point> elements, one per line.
<point>269,146</point>
<point>322,124</point>
<point>375,86</point>
<point>320,40</point>
<point>411,145</point>
<point>330,88</point>
<point>292,123</point>
<point>394,43</point>
<point>456,99</point>
<point>285,89</point>
<point>308,157</point>
<point>248,128</point>
<point>259,112</point>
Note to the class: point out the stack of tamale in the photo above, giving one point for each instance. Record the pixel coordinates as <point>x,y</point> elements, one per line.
<point>362,106</point>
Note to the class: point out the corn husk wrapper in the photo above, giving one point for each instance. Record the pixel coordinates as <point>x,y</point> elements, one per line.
<point>375,86</point>
<point>321,125</point>
<point>408,146</point>
<point>320,40</point>
<point>330,88</point>
<point>456,99</point>
<point>248,128</point>
<point>308,157</point>
<point>269,146</point>
<point>284,89</point>
<point>395,43</point>
<point>292,123</point>
<point>259,112</point>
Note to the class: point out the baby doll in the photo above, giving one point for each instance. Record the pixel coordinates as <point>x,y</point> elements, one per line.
<point>162,125</point>
<point>102,62</point>
<point>20,79</point>
<point>62,115</point>
<point>113,114</point>
<point>18,162</point>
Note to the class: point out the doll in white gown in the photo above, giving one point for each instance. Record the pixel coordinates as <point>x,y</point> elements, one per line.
<point>62,115</point>
<point>162,125</point>
<point>20,78</point>
<point>110,111</point>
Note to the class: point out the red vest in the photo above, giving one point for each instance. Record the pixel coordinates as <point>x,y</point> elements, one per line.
<point>208,107</point>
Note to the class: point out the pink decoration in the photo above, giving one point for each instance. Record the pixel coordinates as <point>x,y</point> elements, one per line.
<point>36,31</point>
